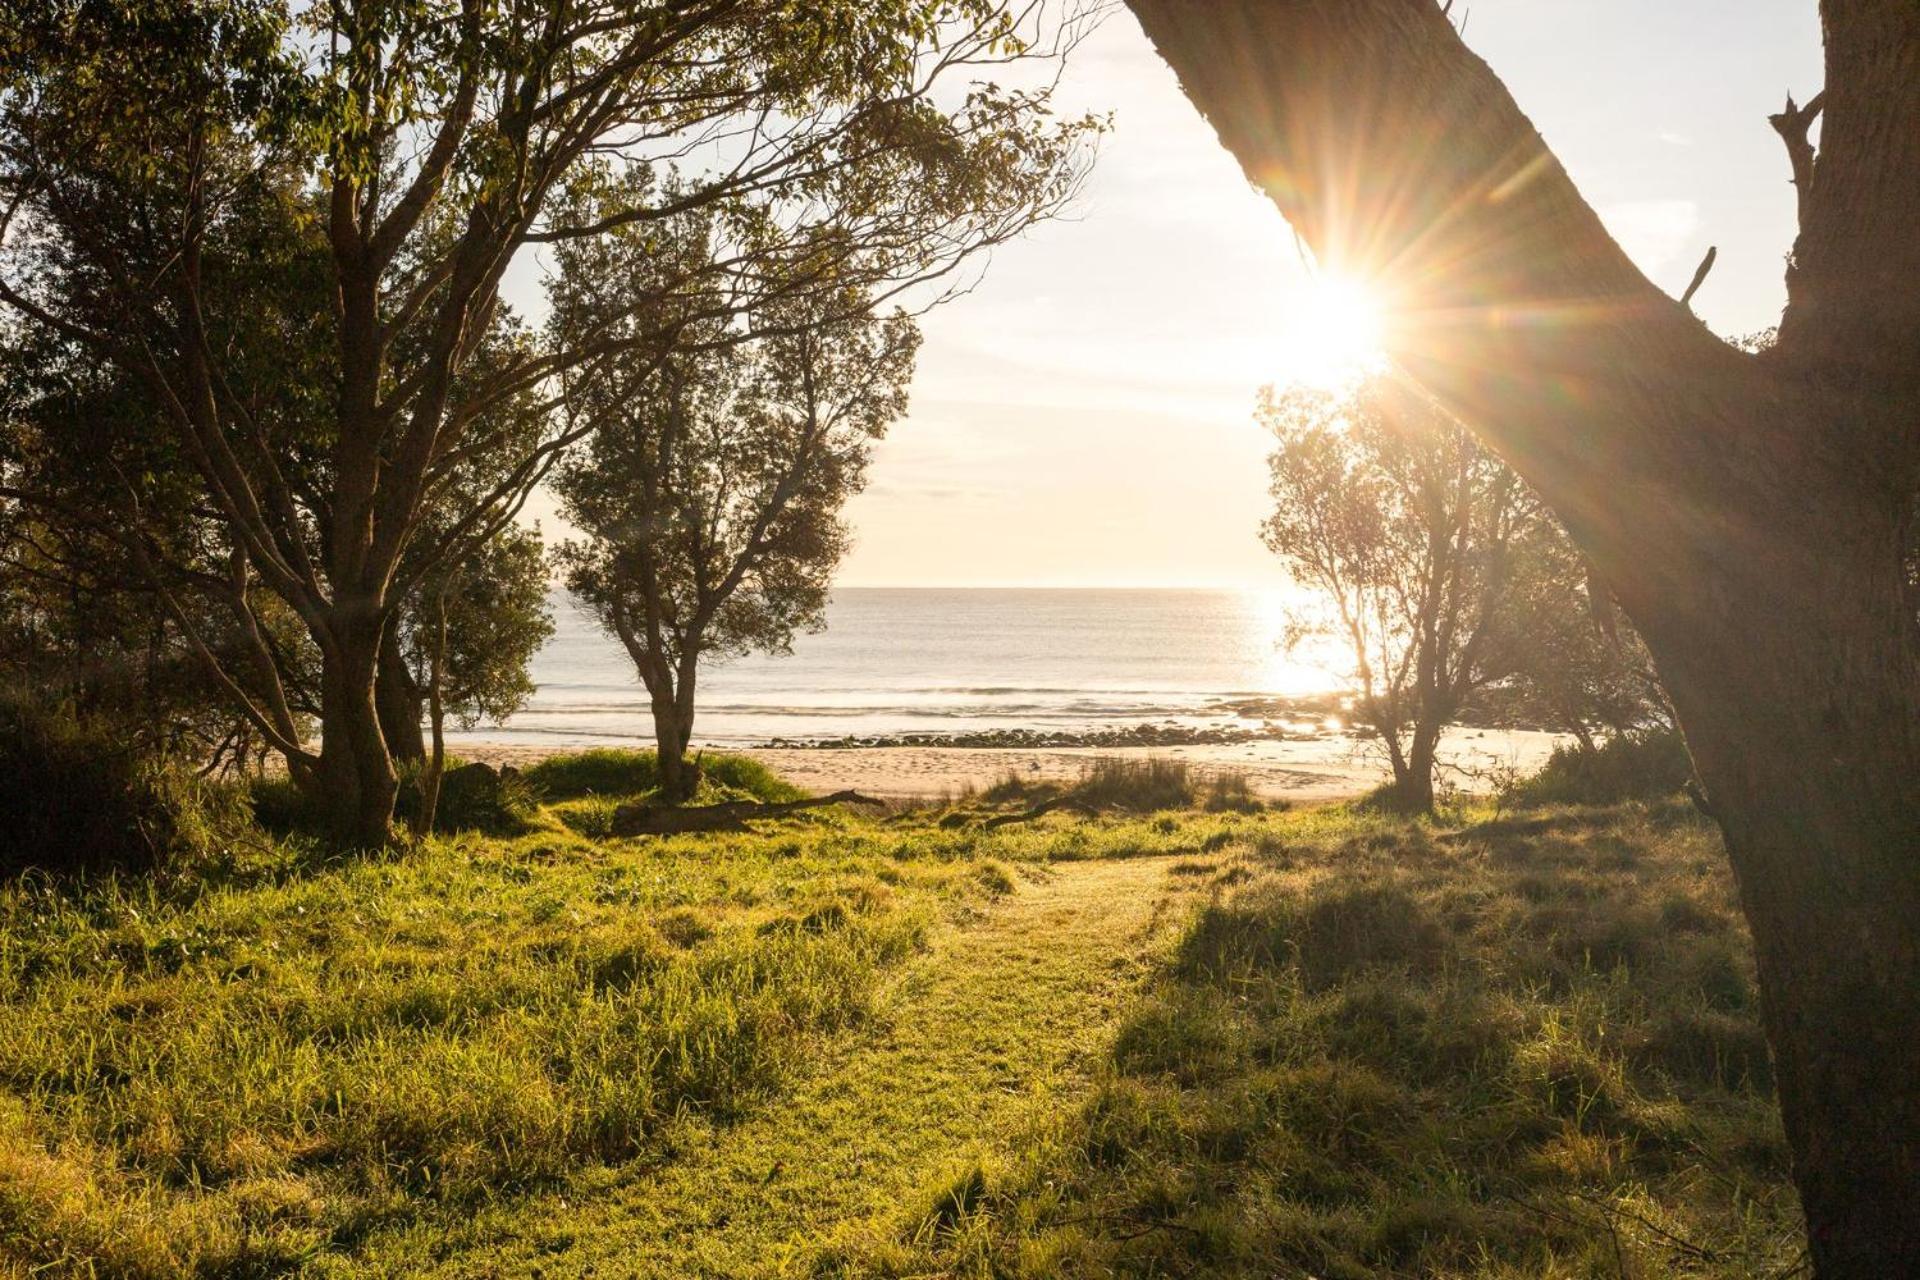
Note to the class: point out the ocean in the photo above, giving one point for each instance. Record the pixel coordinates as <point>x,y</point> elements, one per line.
<point>937,661</point>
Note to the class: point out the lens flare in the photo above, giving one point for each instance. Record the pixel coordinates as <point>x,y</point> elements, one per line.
<point>1335,331</point>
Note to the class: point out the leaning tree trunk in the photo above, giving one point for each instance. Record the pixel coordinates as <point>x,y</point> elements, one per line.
<point>1751,513</point>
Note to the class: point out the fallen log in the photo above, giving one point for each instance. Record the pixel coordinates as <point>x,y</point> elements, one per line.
<point>1041,810</point>
<point>732,815</point>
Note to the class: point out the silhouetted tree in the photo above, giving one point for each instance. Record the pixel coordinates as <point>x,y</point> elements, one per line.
<point>1409,530</point>
<point>1752,512</point>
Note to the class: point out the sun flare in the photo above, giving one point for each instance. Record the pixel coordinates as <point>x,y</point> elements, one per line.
<point>1335,330</point>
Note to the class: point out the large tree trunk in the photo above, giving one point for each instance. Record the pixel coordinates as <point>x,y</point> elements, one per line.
<point>1751,513</point>
<point>356,777</point>
<point>1799,708</point>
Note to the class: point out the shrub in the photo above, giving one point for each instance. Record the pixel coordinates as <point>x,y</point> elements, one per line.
<point>1140,786</point>
<point>1228,791</point>
<point>474,797</point>
<point>617,771</point>
<point>77,798</point>
<point>1640,766</point>
<point>601,771</point>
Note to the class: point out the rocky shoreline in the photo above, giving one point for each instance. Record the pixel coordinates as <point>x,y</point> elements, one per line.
<point>1138,735</point>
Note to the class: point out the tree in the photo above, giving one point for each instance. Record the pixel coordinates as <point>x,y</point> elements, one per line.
<point>711,492</point>
<point>1750,512</point>
<point>494,606</point>
<point>1408,529</point>
<point>163,160</point>
<point>1578,668</point>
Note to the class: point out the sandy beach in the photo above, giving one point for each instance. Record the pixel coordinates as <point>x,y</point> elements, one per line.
<point>1307,769</point>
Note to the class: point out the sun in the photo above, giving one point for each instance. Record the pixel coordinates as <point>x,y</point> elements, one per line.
<point>1334,330</point>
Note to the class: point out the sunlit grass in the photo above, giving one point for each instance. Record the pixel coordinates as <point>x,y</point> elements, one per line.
<point>1513,1048</point>
<point>1479,1046</point>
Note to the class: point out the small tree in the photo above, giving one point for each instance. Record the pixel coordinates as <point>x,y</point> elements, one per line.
<point>497,617</point>
<point>1578,666</point>
<point>1387,507</point>
<point>710,495</point>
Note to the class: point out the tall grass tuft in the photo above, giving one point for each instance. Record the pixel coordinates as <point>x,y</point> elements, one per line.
<point>617,771</point>
<point>1136,786</point>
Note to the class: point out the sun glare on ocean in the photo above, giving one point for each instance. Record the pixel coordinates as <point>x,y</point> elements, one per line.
<point>1334,331</point>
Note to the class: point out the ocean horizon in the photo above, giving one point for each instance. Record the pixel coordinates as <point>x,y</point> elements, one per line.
<point>945,661</point>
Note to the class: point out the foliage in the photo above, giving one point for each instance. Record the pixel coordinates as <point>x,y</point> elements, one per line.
<point>1386,507</point>
<point>279,233</point>
<point>496,615</point>
<point>1638,766</point>
<point>85,797</point>
<point>711,486</point>
<point>1579,667</point>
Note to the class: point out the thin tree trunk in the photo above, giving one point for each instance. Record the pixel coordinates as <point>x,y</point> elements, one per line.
<point>1416,791</point>
<point>436,766</point>
<point>399,700</point>
<point>670,750</point>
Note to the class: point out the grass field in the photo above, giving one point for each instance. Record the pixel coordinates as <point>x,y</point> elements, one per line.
<point>1193,1042</point>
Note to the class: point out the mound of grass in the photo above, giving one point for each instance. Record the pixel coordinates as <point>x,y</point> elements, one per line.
<point>1136,786</point>
<point>1384,1048</point>
<point>620,772</point>
<point>1644,766</point>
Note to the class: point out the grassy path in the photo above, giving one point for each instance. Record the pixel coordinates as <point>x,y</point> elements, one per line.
<point>1001,1016</point>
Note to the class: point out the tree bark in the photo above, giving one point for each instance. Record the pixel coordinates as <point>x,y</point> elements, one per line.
<point>356,776</point>
<point>1416,791</point>
<point>1751,513</point>
<point>400,702</point>
<point>670,750</point>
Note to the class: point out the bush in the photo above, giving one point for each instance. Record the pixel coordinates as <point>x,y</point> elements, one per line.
<point>1139,786</point>
<point>77,798</point>
<point>1640,766</point>
<point>475,797</point>
<point>616,771</point>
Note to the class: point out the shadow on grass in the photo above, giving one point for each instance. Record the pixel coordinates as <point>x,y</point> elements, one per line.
<point>1379,1050</point>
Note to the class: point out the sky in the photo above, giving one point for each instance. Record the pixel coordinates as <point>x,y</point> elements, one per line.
<point>1085,416</point>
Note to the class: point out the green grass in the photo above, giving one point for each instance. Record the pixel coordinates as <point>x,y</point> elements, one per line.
<point>1513,1049</point>
<point>1208,1040</point>
<point>234,1079</point>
